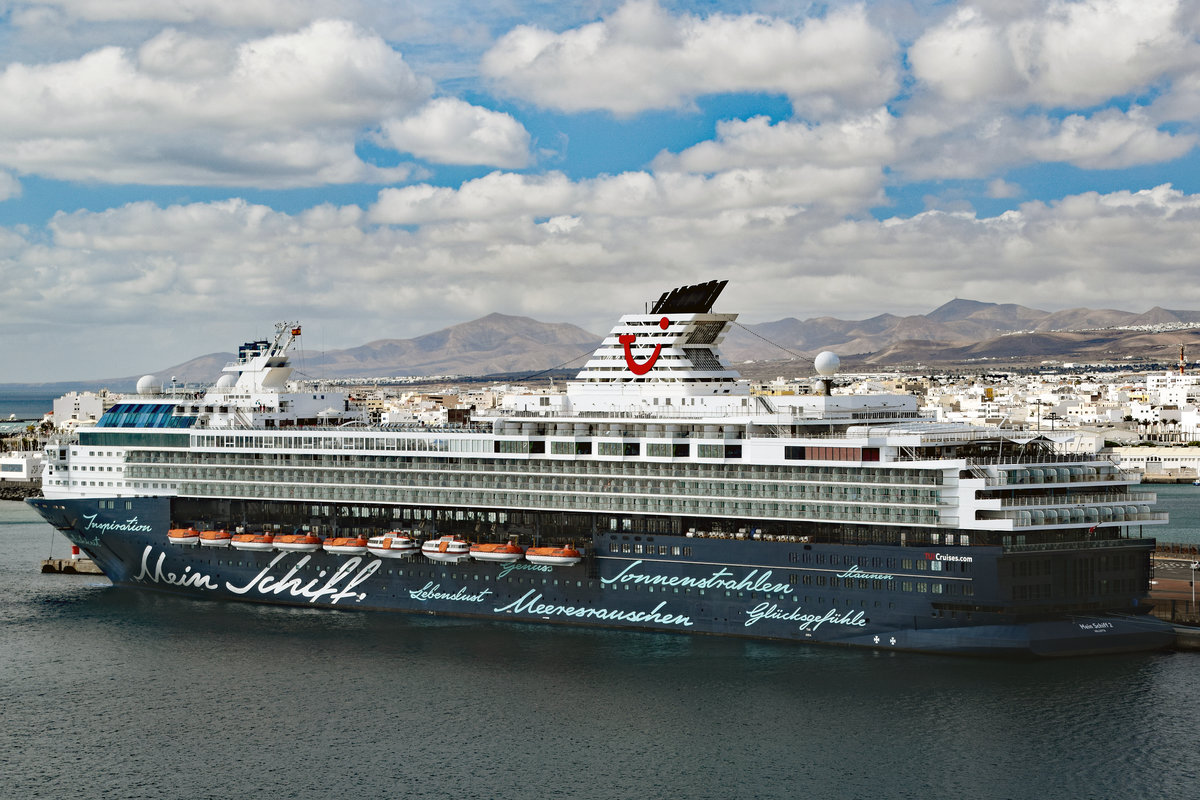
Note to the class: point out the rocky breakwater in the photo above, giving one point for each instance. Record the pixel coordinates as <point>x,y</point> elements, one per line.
<point>19,490</point>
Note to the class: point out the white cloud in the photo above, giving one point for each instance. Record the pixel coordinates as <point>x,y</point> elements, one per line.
<point>975,147</point>
<point>641,58</point>
<point>10,187</point>
<point>632,195</point>
<point>1109,140</point>
<point>450,131</point>
<point>965,58</point>
<point>867,140</point>
<point>561,224</point>
<point>267,13</point>
<point>1083,53</point>
<point>329,70</point>
<point>145,227</point>
<point>215,99</point>
<point>1054,54</point>
<point>1117,250</point>
<point>284,110</point>
<point>924,146</point>
<point>498,195</point>
<point>999,188</point>
<point>173,54</point>
<point>192,278</point>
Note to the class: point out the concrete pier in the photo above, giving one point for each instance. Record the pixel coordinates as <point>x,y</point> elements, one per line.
<point>1187,638</point>
<point>70,566</point>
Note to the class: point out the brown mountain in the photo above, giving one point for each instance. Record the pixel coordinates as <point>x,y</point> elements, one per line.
<point>497,343</point>
<point>1029,349</point>
<point>969,330</point>
<point>959,332</point>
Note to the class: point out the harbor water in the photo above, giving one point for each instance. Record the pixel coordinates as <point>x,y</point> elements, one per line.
<point>1182,502</point>
<point>26,404</point>
<point>115,693</point>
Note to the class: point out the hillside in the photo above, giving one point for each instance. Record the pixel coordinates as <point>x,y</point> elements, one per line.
<point>497,343</point>
<point>961,333</point>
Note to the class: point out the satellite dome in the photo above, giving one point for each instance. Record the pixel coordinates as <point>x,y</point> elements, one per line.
<point>149,384</point>
<point>827,363</point>
<point>226,381</point>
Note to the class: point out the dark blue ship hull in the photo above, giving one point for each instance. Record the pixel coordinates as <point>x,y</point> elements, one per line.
<point>783,590</point>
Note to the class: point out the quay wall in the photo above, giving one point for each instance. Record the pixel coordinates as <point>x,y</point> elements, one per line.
<point>19,490</point>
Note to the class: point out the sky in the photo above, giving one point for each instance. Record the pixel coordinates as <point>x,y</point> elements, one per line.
<point>177,176</point>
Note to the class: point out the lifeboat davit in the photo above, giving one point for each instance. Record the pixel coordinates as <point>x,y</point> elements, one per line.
<point>297,542</point>
<point>252,541</point>
<point>346,545</point>
<point>183,536</point>
<point>555,556</point>
<point>392,545</point>
<point>507,552</point>
<point>447,548</point>
<point>215,538</point>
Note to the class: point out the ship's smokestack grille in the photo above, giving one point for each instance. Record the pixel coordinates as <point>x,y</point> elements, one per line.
<point>697,299</point>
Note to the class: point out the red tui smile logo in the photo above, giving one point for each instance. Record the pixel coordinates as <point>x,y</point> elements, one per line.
<point>628,338</point>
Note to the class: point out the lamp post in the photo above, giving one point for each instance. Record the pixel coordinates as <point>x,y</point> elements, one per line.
<point>1195,566</point>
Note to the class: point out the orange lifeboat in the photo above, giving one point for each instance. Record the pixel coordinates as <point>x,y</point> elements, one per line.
<point>448,548</point>
<point>215,538</point>
<point>555,556</point>
<point>297,542</point>
<point>396,544</point>
<point>346,545</point>
<point>507,552</point>
<point>183,536</point>
<point>252,541</point>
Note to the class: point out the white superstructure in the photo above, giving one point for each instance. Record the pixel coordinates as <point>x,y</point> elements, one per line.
<point>656,425</point>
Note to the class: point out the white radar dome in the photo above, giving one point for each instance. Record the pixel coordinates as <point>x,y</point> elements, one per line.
<point>149,384</point>
<point>226,381</point>
<point>827,363</point>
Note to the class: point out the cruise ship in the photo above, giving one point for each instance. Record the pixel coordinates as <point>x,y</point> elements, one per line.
<point>658,492</point>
